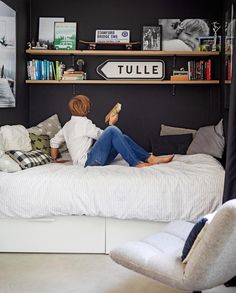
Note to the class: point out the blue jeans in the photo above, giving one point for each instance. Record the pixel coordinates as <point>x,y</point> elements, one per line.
<point>112,142</point>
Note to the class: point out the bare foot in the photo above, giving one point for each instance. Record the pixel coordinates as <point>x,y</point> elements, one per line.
<point>142,164</point>
<point>160,160</point>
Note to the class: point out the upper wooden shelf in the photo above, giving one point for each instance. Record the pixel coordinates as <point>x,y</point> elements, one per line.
<point>120,53</point>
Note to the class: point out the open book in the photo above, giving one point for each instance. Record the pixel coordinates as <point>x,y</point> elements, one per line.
<point>115,110</point>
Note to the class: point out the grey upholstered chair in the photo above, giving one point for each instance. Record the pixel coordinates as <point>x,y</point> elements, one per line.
<point>212,263</point>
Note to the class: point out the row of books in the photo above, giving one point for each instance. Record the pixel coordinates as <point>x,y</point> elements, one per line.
<point>197,70</point>
<point>200,70</point>
<point>45,70</point>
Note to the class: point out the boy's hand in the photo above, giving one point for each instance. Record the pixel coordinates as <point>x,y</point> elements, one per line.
<point>113,119</point>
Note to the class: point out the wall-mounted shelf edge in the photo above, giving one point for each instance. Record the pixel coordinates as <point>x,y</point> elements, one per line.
<point>120,53</point>
<point>199,82</point>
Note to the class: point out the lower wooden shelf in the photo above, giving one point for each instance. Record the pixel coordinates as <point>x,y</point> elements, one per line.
<point>142,81</point>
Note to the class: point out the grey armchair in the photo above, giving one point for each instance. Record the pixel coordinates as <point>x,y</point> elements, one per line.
<point>212,263</point>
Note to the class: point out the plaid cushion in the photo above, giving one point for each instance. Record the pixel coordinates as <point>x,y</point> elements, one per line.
<point>29,159</point>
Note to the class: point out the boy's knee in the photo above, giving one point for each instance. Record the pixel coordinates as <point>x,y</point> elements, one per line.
<point>113,129</point>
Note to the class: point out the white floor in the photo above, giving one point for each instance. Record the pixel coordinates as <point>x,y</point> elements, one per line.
<point>75,273</point>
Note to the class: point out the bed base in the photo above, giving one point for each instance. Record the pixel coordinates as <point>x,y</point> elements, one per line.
<point>71,234</point>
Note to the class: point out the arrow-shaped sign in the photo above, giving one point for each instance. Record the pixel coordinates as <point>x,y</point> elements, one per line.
<point>132,69</point>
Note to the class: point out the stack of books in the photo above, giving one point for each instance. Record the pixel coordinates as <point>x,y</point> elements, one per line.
<point>74,75</point>
<point>179,75</point>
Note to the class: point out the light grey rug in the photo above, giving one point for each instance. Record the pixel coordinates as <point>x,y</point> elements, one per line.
<point>74,273</point>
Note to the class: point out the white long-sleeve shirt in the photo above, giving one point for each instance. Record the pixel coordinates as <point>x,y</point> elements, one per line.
<point>78,133</point>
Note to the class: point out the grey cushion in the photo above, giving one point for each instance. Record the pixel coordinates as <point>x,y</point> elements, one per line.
<point>212,263</point>
<point>208,140</point>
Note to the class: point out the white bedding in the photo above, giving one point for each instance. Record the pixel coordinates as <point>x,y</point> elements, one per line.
<point>186,188</point>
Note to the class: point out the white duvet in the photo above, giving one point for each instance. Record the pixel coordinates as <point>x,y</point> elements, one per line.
<point>187,188</point>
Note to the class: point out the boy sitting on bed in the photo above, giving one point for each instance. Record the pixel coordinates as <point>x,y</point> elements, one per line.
<point>79,133</point>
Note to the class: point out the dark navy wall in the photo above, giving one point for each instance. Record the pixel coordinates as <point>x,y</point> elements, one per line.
<point>145,107</point>
<point>19,114</point>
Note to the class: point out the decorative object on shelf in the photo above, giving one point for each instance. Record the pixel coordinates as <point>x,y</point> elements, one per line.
<point>80,64</point>
<point>211,43</point>
<point>65,35</point>
<point>7,56</point>
<point>112,36</point>
<point>215,27</point>
<point>151,38</point>
<point>132,69</point>
<point>46,29</point>
<point>182,35</point>
<point>38,46</point>
<point>93,45</point>
<point>180,74</point>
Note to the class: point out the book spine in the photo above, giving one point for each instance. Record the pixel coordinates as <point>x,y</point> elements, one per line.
<point>57,70</point>
<point>229,69</point>
<point>29,65</point>
<point>50,70</point>
<point>33,74</point>
<point>198,70</point>
<point>54,71</point>
<point>202,70</point>
<point>208,69</point>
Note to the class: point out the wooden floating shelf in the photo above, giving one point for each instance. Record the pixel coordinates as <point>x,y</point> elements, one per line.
<point>203,82</point>
<point>120,53</point>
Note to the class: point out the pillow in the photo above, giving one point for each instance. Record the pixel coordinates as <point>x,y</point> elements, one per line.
<point>195,235</point>
<point>49,127</point>
<point>15,137</point>
<point>7,164</point>
<point>208,140</point>
<point>171,144</point>
<point>170,130</point>
<point>40,142</point>
<point>1,141</point>
<point>197,228</point>
<point>29,159</point>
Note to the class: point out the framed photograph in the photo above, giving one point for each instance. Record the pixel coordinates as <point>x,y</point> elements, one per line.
<point>46,29</point>
<point>207,44</point>
<point>7,56</point>
<point>183,34</point>
<point>151,38</point>
<point>65,35</point>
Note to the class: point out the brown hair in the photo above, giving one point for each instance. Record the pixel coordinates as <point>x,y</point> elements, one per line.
<point>79,105</point>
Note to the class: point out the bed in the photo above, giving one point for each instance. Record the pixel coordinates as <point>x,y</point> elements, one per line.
<point>67,208</point>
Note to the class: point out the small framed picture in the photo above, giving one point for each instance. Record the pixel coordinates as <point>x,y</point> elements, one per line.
<point>151,38</point>
<point>210,43</point>
<point>65,35</point>
<point>46,29</point>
